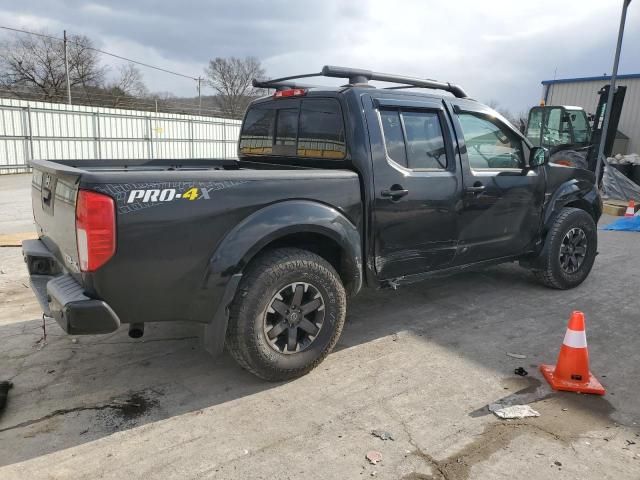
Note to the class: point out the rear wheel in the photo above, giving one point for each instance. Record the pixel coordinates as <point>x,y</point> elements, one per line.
<point>570,250</point>
<point>287,315</point>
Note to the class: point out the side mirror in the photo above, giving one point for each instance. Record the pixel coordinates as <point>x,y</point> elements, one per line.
<point>538,156</point>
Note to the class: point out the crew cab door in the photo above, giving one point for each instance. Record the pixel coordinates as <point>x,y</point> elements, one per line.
<point>503,197</point>
<point>417,185</point>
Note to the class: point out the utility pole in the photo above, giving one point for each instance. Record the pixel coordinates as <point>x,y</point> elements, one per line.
<point>199,96</point>
<point>66,68</point>
<point>612,88</point>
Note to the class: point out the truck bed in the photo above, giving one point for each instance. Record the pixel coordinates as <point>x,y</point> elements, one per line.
<point>171,215</point>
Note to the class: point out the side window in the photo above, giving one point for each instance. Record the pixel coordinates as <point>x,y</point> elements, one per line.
<point>257,132</point>
<point>490,145</point>
<point>414,139</point>
<point>425,144</point>
<point>321,130</point>
<point>393,137</point>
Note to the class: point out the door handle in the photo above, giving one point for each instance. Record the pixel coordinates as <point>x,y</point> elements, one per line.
<point>394,194</point>
<point>475,189</point>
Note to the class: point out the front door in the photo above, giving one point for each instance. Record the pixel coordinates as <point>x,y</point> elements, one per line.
<point>417,185</point>
<point>502,200</point>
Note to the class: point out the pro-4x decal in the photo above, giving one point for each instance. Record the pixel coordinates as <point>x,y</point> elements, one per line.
<point>131,197</point>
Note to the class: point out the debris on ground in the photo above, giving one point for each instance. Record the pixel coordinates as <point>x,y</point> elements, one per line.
<point>382,435</point>
<point>374,457</point>
<point>516,355</point>
<point>521,371</point>
<point>4,391</point>
<point>512,411</point>
<point>557,463</point>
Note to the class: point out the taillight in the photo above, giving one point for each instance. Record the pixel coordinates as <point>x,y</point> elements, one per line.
<point>95,229</point>
<point>291,92</point>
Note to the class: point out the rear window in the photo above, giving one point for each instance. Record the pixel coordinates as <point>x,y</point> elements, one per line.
<point>314,128</point>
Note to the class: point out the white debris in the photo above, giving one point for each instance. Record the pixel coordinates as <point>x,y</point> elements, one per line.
<point>512,411</point>
<point>516,355</point>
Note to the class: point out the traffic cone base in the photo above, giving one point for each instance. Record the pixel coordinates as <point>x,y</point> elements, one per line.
<point>590,385</point>
<point>571,372</point>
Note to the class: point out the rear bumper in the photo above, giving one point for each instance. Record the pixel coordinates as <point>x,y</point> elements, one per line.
<point>62,297</point>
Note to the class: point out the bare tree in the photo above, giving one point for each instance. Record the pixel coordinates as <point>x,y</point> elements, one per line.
<point>38,62</point>
<point>84,65</point>
<point>130,83</point>
<point>231,79</point>
<point>518,120</point>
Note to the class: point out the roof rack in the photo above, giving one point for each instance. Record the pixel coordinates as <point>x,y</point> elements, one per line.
<point>360,77</point>
<point>280,84</point>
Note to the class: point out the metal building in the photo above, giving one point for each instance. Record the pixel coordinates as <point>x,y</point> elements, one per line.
<point>50,131</point>
<point>583,92</point>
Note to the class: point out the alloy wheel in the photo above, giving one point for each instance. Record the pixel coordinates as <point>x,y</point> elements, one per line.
<point>573,250</point>
<point>294,318</point>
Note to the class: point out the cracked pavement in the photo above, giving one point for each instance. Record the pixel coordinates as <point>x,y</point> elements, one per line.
<point>421,363</point>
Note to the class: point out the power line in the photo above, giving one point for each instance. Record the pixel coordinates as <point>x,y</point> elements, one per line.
<point>101,51</point>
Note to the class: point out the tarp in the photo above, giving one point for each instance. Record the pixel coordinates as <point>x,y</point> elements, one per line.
<point>616,186</point>
<point>625,224</point>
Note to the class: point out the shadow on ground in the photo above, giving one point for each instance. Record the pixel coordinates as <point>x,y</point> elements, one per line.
<point>69,392</point>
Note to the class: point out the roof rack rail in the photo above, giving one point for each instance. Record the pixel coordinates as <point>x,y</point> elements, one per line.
<point>359,76</point>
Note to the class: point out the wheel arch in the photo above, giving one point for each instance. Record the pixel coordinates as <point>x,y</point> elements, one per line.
<point>303,224</point>
<point>575,194</point>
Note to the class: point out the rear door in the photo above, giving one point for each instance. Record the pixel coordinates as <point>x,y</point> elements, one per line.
<point>417,185</point>
<point>502,200</point>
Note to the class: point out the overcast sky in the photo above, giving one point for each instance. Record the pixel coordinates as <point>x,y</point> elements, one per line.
<point>497,50</point>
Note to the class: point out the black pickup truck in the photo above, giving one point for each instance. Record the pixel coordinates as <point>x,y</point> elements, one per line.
<point>335,188</point>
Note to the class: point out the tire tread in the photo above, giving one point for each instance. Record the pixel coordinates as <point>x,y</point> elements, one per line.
<point>274,263</point>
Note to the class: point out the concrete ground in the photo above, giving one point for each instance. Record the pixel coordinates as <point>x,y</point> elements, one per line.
<point>420,363</point>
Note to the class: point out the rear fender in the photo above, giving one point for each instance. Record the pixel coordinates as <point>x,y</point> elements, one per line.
<point>281,219</point>
<point>257,231</point>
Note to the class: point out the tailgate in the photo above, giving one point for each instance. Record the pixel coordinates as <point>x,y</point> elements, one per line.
<point>53,196</point>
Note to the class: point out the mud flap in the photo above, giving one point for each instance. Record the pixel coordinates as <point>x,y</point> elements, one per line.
<point>215,331</point>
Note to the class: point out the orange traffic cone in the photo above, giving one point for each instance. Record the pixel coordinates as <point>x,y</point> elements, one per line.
<point>631,209</point>
<point>571,373</point>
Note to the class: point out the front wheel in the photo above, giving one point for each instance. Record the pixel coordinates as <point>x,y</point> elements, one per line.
<point>570,250</point>
<point>287,315</point>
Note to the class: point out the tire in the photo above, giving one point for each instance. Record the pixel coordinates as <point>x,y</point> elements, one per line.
<point>254,314</point>
<point>566,230</point>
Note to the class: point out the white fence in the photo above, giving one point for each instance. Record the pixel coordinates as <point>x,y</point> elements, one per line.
<point>49,131</point>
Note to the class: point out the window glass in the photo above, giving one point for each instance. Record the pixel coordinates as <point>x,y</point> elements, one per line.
<point>315,130</point>
<point>581,130</point>
<point>557,131</point>
<point>534,125</point>
<point>256,137</point>
<point>286,131</point>
<point>489,144</point>
<point>425,144</point>
<point>393,137</point>
<point>321,130</point>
